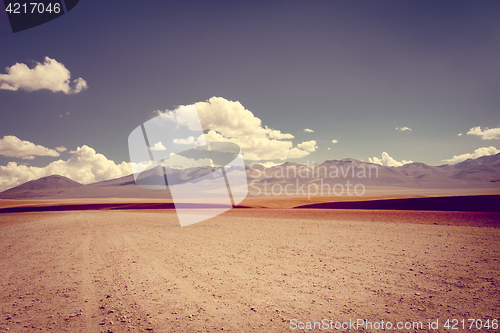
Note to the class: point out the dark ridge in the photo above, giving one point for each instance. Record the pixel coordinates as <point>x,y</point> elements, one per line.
<point>110,206</point>
<point>477,203</point>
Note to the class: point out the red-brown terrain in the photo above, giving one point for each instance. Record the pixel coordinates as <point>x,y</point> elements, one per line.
<point>75,260</point>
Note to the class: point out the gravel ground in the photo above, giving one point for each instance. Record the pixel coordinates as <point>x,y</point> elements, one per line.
<point>248,270</point>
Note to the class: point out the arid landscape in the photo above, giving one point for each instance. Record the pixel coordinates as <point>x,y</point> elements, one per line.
<point>125,265</point>
<point>249,166</point>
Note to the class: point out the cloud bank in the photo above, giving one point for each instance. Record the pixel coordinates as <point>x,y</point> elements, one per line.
<point>484,151</point>
<point>51,75</point>
<point>12,146</point>
<point>387,160</point>
<point>84,166</point>
<point>486,134</point>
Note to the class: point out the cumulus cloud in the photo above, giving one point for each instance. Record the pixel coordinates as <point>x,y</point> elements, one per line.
<point>459,134</point>
<point>12,146</point>
<point>51,75</point>
<point>308,146</point>
<point>486,134</point>
<point>387,160</point>
<point>484,151</point>
<point>61,149</point>
<point>229,121</point>
<point>84,166</point>
<point>158,146</point>
<point>307,130</point>
<point>335,141</point>
<point>403,129</point>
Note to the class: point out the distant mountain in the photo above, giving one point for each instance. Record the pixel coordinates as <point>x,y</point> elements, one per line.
<point>479,173</point>
<point>50,182</point>
<point>44,184</point>
<point>483,172</point>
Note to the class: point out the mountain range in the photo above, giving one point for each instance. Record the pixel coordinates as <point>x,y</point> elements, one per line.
<point>483,172</point>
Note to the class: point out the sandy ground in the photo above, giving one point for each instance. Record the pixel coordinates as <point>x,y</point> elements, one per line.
<point>246,270</point>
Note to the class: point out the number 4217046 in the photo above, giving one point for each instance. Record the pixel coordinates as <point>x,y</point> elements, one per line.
<point>455,324</point>
<point>33,8</point>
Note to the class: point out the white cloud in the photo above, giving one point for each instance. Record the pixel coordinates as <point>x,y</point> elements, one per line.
<point>158,146</point>
<point>84,166</point>
<point>275,134</point>
<point>181,162</point>
<point>387,160</point>
<point>50,75</point>
<point>229,121</point>
<point>269,164</point>
<point>307,130</point>
<point>487,134</point>
<point>79,85</point>
<point>183,116</point>
<point>191,140</point>
<point>61,149</point>
<point>403,129</point>
<point>335,141</point>
<point>484,151</point>
<point>12,146</point>
<point>328,148</point>
<point>308,146</point>
<point>459,134</point>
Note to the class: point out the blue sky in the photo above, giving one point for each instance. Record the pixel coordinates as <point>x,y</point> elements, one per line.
<point>351,71</point>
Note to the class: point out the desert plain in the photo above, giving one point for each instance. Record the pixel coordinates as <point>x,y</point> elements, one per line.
<point>265,268</point>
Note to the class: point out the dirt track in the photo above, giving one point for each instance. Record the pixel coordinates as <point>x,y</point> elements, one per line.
<point>120,271</point>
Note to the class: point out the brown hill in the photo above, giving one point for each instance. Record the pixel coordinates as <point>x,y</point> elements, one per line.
<point>41,186</point>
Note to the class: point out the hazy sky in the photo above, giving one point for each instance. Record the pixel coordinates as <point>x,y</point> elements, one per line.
<point>351,71</point>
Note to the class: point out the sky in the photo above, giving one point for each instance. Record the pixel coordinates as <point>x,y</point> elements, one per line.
<point>388,82</point>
